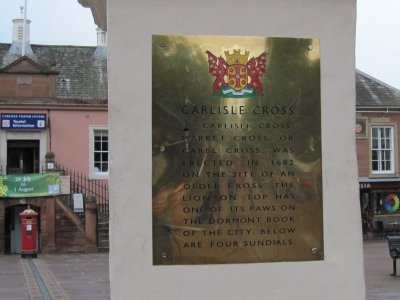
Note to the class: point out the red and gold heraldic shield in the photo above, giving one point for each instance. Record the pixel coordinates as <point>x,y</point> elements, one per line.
<point>237,76</point>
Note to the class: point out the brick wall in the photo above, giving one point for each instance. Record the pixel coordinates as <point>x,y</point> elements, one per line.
<point>363,144</point>
<point>46,216</point>
<point>27,85</point>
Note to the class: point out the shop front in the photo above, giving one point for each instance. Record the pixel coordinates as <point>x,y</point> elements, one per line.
<point>379,201</point>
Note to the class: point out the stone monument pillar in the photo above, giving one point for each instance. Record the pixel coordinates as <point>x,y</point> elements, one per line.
<point>249,188</point>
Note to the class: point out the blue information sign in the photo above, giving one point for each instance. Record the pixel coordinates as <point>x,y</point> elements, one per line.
<point>23,121</point>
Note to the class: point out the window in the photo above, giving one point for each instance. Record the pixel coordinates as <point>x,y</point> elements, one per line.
<point>98,153</point>
<point>382,150</point>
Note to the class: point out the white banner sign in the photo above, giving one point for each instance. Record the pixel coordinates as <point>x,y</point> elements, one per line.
<point>78,203</point>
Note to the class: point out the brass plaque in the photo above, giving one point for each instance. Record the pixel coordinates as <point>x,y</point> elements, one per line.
<point>236,136</point>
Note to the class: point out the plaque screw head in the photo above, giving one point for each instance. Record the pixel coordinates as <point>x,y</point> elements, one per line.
<point>163,44</point>
<point>314,251</point>
<point>310,47</point>
<point>164,255</point>
<point>162,148</point>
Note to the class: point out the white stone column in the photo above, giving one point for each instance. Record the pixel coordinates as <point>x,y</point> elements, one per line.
<point>131,25</point>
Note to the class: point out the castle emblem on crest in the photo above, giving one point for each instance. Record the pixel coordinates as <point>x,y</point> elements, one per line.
<point>237,76</point>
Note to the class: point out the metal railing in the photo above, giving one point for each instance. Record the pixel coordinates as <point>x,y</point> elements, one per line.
<point>6,170</point>
<point>81,183</point>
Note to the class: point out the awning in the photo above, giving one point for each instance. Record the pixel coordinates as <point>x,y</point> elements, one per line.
<point>380,179</point>
<point>386,183</point>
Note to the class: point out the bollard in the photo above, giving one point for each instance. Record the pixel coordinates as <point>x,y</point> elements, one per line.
<point>394,251</point>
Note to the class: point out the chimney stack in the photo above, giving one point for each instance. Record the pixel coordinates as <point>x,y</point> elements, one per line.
<point>101,50</point>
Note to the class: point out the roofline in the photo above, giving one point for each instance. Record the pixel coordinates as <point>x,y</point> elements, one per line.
<point>76,103</point>
<point>378,179</point>
<point>386,109</point>
<point>83,107</point>
<point>377,80</point>
<point>3,71</point>
<point>64,46</point>
<point>42,70</point>
<point>44,45</point>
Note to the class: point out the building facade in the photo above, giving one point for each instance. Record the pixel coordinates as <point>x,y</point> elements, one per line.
<point>377,138</point>
<point>53,105</point>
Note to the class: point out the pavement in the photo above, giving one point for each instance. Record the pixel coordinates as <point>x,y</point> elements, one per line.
<point>55,277</point>
<point>86,276</point>
<point>378,266</point>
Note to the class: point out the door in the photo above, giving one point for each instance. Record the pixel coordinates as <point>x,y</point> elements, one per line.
<point>23,156</point>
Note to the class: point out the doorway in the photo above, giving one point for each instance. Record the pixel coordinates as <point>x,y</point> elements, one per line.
<point>23,156</point>
<point>12,230</point>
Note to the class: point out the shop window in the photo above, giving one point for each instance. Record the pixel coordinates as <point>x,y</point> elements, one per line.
<point>98,153</point>
<point>382,150</point>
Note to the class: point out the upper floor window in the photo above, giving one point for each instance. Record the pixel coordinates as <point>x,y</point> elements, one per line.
<point>98,153</point>
<point>382,149</point>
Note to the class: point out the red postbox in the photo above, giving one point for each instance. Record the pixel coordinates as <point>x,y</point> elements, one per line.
<point>28,234</point>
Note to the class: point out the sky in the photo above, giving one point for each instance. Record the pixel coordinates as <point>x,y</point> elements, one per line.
<point>55,22</point>
<point>378,40</point>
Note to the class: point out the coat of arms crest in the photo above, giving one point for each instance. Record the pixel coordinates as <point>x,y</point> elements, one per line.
<point>237,76</point>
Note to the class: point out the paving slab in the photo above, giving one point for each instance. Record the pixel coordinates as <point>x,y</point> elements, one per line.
<point>86,276</point>
<point>62,277</point>
<point>79,276</point>
<point>12,280</point>
<point>378,266</point>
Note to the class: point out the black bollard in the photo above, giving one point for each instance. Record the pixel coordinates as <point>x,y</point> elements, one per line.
<point>394,268</point>
<point>394,251</point>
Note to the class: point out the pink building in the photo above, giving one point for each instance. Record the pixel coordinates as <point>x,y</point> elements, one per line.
<point>53,100</point>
